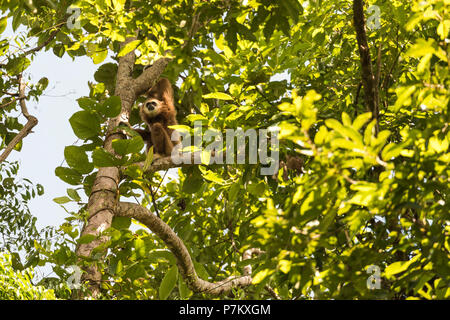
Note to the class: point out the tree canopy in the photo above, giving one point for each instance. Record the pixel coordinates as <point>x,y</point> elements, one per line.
<point>358,93</point>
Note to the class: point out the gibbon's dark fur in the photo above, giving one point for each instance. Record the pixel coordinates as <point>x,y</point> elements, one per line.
<point>158,112</point>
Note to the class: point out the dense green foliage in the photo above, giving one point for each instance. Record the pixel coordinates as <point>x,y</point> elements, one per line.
<point>17,225</point>
<point>17,285</point>
<point>363,199</point>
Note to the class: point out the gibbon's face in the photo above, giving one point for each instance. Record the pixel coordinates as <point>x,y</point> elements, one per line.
<point>152,107</point>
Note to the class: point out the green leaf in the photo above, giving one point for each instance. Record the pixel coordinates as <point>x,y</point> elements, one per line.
<point>168,283</point>
<point>181,128</point>
<point>87,238</point>
<point>111,107</point>
<point>4,47</point>
<point>421,48</point>
<point>321,135</point>
<point>397,267</point>
<point>403,97</point>
<point>73,194</point>
<point>233,191</point>
<point>196,117</point>
<point>211,176</point>
<point>231,36</point>
<point>77,159</point>
<point>162,255</point>
<point>442,29</point>
<point>343,143</point>
<point>217,95</point>
<point>84,124</point>
<point>293,8</point>
<point>40,189</point>
<point>261,275</point>
<point>438,145</point>
<point>257,189</point>
<point>148,159</point>
<point>130,46</point>
<point>183,288</point>
<point>285,266</point>
<point>43,83</point>
<point>99,56</point>
<point>59,50</point>
<point>391,150</point>
<point>269,27</point>
<point>369,132</point>
<point>346,132</point>
<point>86,103</point>
<point>192,184</point>
<point>118,5</point>
<point>16,18</point>
<point>361,120</point>
<point>17,65</point>
<point>139,247</point>
<point>62,200</point>
<point>106,74</point>
<point>3,23</point>
<point>68,175</point>
<point>103,158</point>
<point>126,146</point>
<point>346,121</point>
<point>121,223</point>
<point>284,26</point>
<point>201,271</point>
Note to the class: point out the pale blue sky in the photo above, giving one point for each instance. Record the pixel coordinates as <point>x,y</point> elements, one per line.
<point>43,150</point>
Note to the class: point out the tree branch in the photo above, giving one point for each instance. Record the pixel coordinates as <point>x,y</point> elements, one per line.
<point>32,122</point>
<point>11,102</point>
<point>46,42</point>
<point>149,77</point>
<point>166,163</point>
<point>272,292</point>
<point>370,90</point>
<point>181,253</point>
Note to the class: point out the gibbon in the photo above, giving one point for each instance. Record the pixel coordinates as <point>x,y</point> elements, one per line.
<point>158,112</point>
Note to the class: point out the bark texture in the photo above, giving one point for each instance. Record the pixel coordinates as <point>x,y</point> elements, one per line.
<point>368,79</point>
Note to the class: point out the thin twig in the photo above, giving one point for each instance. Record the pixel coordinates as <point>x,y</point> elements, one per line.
<point>153,200</point>
<point>355,102</point>
<point>10,102</point>
<point>46,42</point>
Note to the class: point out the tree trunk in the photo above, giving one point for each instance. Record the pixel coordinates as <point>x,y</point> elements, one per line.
<point>105,192</point>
